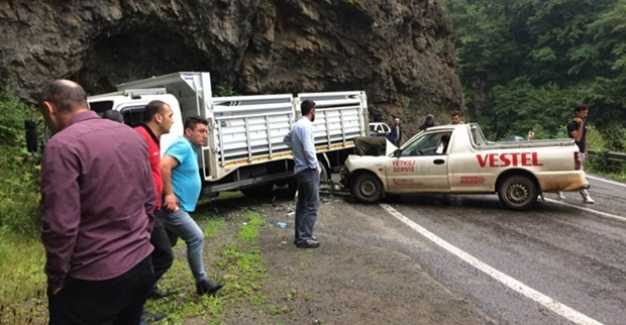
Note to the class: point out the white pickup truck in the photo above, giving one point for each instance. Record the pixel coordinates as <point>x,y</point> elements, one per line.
<point>458,159</point>
<point>245,149</point>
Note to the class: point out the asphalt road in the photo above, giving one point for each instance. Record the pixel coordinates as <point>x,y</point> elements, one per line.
<point>574,258</point>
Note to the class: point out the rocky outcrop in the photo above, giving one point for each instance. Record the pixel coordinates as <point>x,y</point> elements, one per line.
<point>400,51</point>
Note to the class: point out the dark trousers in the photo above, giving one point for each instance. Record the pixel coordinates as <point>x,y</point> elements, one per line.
<point>115,301</point>
<point>162,256</point>
<point>308,204</point>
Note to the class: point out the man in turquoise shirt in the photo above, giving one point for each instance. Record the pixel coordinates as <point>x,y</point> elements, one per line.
<point>182,186</point>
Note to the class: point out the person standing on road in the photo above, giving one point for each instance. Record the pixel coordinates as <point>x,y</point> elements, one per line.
<point>577,130</point>
<point>97,206</point>
<point>395,135</point>
<point>307,169</point>
<point>158,119</point>
<point>182,186</point>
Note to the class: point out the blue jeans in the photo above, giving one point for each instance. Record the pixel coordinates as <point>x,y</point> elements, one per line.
<point>180,223</point>
<point>308,204</point>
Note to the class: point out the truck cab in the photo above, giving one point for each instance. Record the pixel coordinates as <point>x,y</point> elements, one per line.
<point>132,104</point>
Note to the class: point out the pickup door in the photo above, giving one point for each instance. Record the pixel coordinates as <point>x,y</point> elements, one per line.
<point>422,165</point>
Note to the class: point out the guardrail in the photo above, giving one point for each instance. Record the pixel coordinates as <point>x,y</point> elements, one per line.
<point>609,155</point>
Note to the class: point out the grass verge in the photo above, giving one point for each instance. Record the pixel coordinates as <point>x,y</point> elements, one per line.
<point>236,261</point>
<point>232,255</point>
<point>23,297</point>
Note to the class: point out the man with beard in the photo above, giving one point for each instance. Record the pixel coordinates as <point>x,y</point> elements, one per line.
<point>307,170</point>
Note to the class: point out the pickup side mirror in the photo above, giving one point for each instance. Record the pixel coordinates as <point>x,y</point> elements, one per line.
<point>31,135</point>
<point>397,153</point>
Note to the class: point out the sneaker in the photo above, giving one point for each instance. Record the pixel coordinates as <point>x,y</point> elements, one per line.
<point>207,286</point>
<point>308,243</point>
<point>561,195</point>
<point>586,197</point>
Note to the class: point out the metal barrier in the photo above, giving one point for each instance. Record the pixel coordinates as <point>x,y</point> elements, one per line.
<point>609,155</point>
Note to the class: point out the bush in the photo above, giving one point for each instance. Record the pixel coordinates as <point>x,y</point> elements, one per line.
<point>19,170</point>
<point>595,140</point>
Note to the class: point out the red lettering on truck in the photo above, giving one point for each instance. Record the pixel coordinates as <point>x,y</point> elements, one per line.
<point>400,166</point>
<point>509,159</point>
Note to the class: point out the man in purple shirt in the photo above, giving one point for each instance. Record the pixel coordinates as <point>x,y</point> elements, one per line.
<point>98,201</point>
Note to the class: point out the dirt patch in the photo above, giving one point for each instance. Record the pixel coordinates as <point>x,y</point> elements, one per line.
<point>360,275</point>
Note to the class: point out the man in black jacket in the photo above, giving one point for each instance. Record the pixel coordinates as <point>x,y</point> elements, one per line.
<point>395,136</point>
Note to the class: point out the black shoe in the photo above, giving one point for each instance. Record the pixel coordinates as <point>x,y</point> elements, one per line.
<point>207,286</point>
<point>308,243</point>
<point>157,293</point>
<point>295,241</point>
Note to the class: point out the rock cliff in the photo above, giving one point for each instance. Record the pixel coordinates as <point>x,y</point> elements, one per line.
<point>400,51</point>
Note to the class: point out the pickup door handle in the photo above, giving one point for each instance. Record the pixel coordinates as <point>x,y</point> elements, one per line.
<point>439,161</point>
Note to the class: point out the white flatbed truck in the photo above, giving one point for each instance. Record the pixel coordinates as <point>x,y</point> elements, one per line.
<point>245,149</point>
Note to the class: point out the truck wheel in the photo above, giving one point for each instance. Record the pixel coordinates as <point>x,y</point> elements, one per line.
<point>518,192</point>
<point>264,191</point>
<point>367,188</point>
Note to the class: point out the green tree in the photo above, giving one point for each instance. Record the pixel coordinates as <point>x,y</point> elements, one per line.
<point>525,63</point>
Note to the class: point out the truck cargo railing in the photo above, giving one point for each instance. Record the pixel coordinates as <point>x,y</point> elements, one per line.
<point>247,126</point>
<point>251,129</point>
<point>340,117</point>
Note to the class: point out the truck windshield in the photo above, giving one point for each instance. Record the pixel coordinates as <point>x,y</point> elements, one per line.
<point>477,135</point>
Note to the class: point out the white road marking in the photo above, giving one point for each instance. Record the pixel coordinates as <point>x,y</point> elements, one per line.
<point>549,303</point>
<point>601,179</point>
<point>600,213</point>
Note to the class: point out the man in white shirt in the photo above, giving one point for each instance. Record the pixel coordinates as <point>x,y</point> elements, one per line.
<point>307,170</point>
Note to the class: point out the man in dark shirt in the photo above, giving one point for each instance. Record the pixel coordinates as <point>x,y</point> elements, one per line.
<point>98,201</point>
<point>395,136</point>
<point>577,130</point>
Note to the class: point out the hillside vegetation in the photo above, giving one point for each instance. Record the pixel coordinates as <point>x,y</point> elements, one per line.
<point>524,64</point>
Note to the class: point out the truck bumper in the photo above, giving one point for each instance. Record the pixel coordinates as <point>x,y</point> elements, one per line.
<point>563,181</point>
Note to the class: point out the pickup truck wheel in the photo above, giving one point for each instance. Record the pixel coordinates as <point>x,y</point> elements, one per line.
<point>367,188</point>
<point>518,192</point>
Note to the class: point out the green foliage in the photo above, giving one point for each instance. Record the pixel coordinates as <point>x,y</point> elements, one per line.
<point>19,170</point>
<point>13,112</point>
<point>213,226</point>
<point>22,281</point>
<point>595,141</point>
<point>519,107</point>
<point>225,91</point>
<point>525,63</point>
<point>250,231</point>
<point>237,259</point>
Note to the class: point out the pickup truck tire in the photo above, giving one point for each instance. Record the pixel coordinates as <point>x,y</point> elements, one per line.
<point>518,192</point>
<point>367,188</point>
